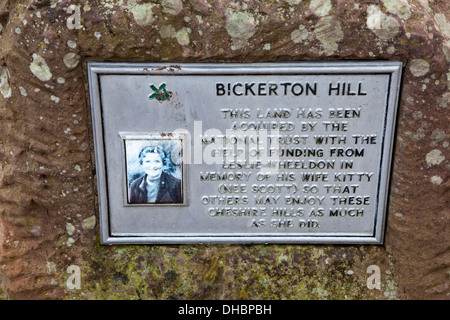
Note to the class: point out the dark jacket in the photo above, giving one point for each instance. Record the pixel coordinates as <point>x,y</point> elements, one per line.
<point>169,190</point>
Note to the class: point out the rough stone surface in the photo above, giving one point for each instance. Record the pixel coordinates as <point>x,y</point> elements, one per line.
<point>47,180</point>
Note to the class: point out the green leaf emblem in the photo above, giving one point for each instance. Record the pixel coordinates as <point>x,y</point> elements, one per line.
<point>160,93</point>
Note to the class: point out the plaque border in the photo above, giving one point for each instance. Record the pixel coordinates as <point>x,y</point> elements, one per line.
<point>392,68</point>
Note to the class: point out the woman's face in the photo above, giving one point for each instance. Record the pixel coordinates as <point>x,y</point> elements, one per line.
<point>152,165</point>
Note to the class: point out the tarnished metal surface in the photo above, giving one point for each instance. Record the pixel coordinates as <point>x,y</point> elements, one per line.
<point>272,153</point>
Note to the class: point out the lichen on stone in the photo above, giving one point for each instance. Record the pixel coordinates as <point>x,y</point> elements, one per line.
<point>384,26</point>
<point>434,157</point>
<point>300,35</point>
<point>437,180</point>
<point>293,2</point>
<point>71,60</point>
<point>70,228</point>
<point>167,31</point>
<point>173,7</point>
<point>5,86</point>
<point>419,67</point>
<point>399,7</point>
<point>40,68</point>
<point>142,14</point>
<point>444,26</point>
<point>182,37</point>
<point>89,223</point>
<point>328,31</point>
<point>240,27</point>
<point>320,7</point>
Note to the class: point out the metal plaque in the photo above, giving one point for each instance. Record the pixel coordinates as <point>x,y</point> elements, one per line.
<point>247,153</point>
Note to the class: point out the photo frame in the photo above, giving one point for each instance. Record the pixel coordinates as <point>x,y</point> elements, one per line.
<point>154,169</point>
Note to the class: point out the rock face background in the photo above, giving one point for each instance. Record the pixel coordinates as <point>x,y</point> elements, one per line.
<point>48,212</point>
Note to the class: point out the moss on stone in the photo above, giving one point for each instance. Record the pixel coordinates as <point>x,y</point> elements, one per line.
<point>225,272</point>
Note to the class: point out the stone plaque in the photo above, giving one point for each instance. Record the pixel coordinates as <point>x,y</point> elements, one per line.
<point>248,153</point>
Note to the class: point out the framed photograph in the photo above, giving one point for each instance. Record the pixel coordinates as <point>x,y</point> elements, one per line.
<point>154,169</point>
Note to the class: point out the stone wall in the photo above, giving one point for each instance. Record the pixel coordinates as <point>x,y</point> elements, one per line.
<point>48,209</point>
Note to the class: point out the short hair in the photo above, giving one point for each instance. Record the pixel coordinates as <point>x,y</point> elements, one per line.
<point>152,149</point>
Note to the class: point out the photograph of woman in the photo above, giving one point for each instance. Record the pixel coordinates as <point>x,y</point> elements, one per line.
<point>152,174</point>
